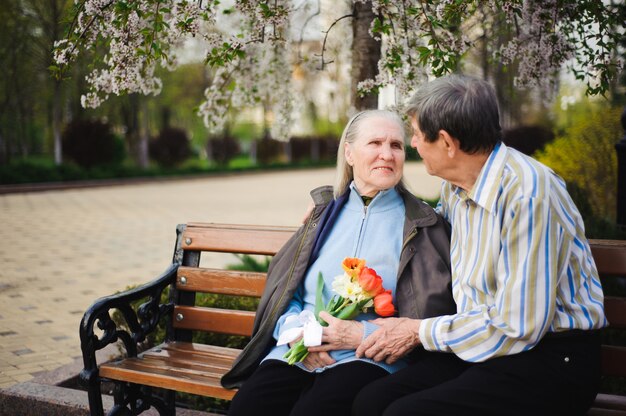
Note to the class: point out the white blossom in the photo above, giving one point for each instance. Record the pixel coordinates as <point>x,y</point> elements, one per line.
<point>251,57</point>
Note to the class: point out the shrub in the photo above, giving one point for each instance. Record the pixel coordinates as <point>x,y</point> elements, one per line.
<point>171,147</point>
<point>313,148</point>
<point>595,227</point>
<point>91,143</point>
<point>221,150</point>
<point>585,156</point>
<point>527,139</point>
<point>269,150</point>
<point>328,147</point>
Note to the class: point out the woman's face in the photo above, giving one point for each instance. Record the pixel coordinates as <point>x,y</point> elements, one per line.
<point>377,155</point>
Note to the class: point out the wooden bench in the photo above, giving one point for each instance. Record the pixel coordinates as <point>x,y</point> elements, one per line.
<point>180,365</point>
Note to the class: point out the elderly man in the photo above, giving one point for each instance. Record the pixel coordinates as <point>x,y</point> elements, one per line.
<point>529,300</point>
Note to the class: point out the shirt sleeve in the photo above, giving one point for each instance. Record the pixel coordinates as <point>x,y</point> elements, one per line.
<point>523,300</point>
<point>294,308</point>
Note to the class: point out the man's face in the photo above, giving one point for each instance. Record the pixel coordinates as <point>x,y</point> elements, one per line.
<point>432,154</point>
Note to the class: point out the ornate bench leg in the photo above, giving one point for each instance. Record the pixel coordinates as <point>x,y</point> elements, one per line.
<point>92,381</point>
<point>133,399</point>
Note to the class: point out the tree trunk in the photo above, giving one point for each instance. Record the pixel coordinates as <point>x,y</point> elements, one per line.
<point>365,55</point>
<point>144,134</point>
<point>56,123</point>
<point>130,115</point>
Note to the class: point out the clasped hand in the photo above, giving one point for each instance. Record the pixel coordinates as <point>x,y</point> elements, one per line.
<point>394,338</point>
<point>338,335</point>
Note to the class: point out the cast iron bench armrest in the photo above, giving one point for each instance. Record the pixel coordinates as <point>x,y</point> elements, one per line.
<point>140,323</point>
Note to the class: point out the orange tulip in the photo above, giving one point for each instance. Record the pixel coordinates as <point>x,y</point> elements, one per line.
<point>383,304</point>
<point>371,282</point>
<point>353,266</point>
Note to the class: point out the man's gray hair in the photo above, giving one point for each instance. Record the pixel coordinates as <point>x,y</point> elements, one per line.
<point>465,107</point>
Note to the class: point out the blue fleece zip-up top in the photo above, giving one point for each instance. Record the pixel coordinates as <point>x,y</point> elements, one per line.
<point>373,233</point>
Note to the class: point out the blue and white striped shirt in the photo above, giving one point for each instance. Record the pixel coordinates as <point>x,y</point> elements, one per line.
<point>521,265</point>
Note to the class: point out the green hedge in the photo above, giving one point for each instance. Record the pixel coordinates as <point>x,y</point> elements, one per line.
<point>38,171</point>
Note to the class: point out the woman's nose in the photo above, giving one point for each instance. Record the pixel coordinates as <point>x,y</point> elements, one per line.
<point>386,153</point>
<point>414,141</point>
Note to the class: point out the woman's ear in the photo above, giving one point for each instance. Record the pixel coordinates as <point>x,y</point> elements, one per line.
<point>347,152</point>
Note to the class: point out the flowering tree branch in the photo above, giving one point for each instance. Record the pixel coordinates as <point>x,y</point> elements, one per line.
<point>323,62</point>
<point>252,59</point>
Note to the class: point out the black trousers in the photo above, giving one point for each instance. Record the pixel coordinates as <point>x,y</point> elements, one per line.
<point>560,376</point>
<point>276,388</point>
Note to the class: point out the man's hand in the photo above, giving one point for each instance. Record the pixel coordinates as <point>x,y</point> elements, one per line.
<point>394,338</point>
<point>339,334</point>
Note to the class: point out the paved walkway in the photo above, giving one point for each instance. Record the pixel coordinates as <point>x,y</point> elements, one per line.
<point>60,250</point>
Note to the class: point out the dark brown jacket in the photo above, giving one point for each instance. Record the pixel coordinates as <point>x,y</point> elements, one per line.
<point>423,289</point>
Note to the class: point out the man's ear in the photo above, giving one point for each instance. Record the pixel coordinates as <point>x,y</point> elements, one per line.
<point>451,145</point>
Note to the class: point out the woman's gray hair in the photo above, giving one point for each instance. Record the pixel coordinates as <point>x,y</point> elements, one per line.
<point>351,133</point>
<point>465,107</point>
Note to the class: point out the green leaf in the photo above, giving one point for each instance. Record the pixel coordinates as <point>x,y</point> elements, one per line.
<point>319,302</point>
<point>349,312</point>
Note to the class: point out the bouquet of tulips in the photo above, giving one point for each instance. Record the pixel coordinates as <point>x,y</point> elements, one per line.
<point>356,290</point>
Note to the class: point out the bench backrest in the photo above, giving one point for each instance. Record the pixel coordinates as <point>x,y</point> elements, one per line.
<point>610,259</point>
<point>195,238</point>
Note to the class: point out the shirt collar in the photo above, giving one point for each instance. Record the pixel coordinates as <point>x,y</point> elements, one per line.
<point>485,190</point>
<point>383,200</point>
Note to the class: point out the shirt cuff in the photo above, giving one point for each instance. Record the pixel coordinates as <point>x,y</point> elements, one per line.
<point>431,334</point>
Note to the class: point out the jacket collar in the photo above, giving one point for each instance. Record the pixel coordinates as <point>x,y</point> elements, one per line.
<point>418,213</point>
<point>322,195</point>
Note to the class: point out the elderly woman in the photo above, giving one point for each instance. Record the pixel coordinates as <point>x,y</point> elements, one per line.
<point>369,214</point>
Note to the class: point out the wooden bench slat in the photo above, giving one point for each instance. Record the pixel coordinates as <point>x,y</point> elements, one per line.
<point>610,401</point>
<point>226,282</point>
<point>609,256</point>
<point>182,357</point>
<point>225,238</point>
<point>200,349</point>
<point>613,360</point>
<point>615,311</point>
<point>224,321</point>
<point>186,365</point>
<point>145,372</point>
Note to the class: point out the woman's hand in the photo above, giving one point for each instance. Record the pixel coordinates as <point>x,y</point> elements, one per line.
<point>339,334</point>
<point>394,338</point>
<point>315,360</point>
